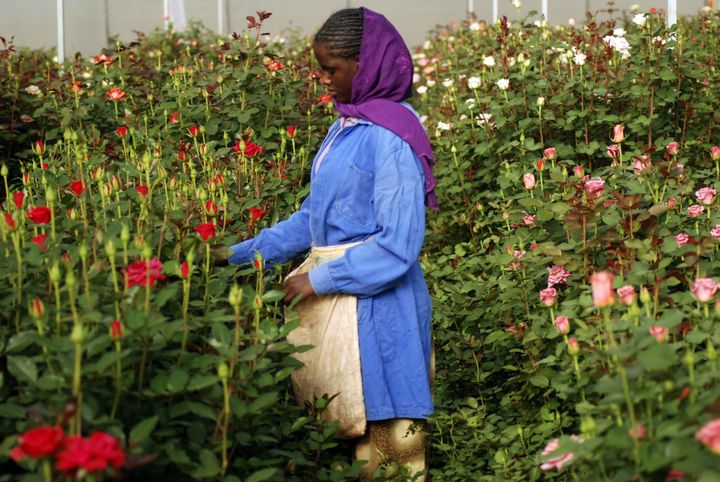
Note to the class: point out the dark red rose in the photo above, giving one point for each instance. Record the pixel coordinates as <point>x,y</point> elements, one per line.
<point>39,215</point>
<point>77,187</point>
<point>255,213</point>
<point>38,442</point>
<point>205,230</point>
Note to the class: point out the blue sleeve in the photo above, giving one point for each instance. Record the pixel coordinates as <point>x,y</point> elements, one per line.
<point>279,243</point>
<point>379,263</point>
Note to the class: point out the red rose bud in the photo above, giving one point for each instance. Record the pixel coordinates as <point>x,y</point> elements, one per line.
<point>76,187</point>
<point>174,118</point>
<point>19,199</point>
<point>36,309</point>
<point>26,178</point>
<point>184,269</point>
<point>142,190</point>
<point>121,131</point>
<point>98,173</point>
<point>212,185</point>
<point>255,214</point>
<point>211,208</point>
<point>115,94</point>
<point>39,148</point>
<point>291,132</point>
<point>540,164</point>
<point>172,184</point>
<point>116,330</point>
<point>205,230</point>
<point>220,180</point>
<point>116,183</point>
<point>194,131</point>
<point>38,442</point>
<point>39,240</point>
<point>39,215</point>
<point>10,221</point>
<point>72,214</point>
<point>618,133</point>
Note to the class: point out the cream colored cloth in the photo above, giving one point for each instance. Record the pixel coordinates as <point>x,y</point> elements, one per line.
<point>332,367</point>
<point>394,445</point>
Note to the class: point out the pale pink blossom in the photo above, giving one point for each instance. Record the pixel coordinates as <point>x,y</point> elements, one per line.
<point>557,462</point>
<point>517,254</point>
<point>671,203</point>
<point>705,195</point>
<point>659,332</point>
<point>602,289</point>
<point>529,180</point>
<point>594,186</point>
<point>695,210</point>
<point>704,289</point>
<point>715,232</point>
<point>562,325</point>
<point>709,435</point>
<point>638,431</point>
<point>529,219</point>
<point>681,239</point>
<point>672,148</point>
<point>618,133</point>
<point>627,295</point>
<point>557,275</point>
<point>715,153</point>
<point>641,163</point>
<point>548,296</point>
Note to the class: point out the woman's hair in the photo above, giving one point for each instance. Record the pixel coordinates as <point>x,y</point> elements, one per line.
<point>342,33</point>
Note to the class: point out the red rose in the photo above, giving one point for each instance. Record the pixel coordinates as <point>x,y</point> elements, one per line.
<point>38,442</point>
<point>19,198</point>
<point>76,187</point>
<point>39,215</point>
<point>255,213</point>
<point>205,230</point>
<point>324,99</point>
<point>115,94</point>
<point>40,240</point>
<point>121,131</point>
<point>174,118</point>
<point>116,330</point>
<point>142,190</point>
<point>184,269</point>
<point>253,149</point>
<point>75,87</point>
<point>142,273</point>
<point>194,130</point>
<point>291,132</point>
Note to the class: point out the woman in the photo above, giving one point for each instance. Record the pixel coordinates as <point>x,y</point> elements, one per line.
<point>369,183</point>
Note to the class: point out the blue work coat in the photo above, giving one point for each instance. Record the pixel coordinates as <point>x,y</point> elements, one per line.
<point>368,187</point>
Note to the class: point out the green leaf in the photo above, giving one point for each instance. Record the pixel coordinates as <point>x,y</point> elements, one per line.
<point>23,368</point>
<point>260,475</point>
<point>209,465</point>
<point>540,381</point>
<point>177,380</point>
<point>11,410</point>
<point>658,357</point>
<point>198,382</point>
<point>142,430</point>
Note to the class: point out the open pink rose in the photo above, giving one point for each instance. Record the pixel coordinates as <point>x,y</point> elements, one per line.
<point>681,239</point>
<point>594,186</point>
<point>558,461</point>
<point>627,295</point>
<point>695,210</point>
<point>705,195</point>
<point>715,232</point>
<point>704,289</point>
<point>709,435</point>
<point>557,275</point>
<point>548,296</point>
<point>641,163</point>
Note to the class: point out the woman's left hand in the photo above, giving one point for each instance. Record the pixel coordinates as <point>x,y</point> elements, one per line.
<point>298,285</point>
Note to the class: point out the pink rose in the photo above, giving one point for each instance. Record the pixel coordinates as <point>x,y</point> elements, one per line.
<point>517,254</point>
<point>613,151</point>
<point>594,186</point>
<point>562,325</point>
<point>638,431</point>
<point>578,171</point>
<point>529,219</point>
<point>671,202</point>
<point>557,462</point>
<point>704,289</point>
<point>715,232</point>
<point>550,153</point>
<point>641,163</point>
<point>695,210</point>
<point>557,275</point>
<point>548,296</point>
<point>602,289</point>
<point>709,435</point>
<point>672,148</point>
<point>618,133</point>
<point>529,180</point>
<point>715,153</point>
<point>705,195</point>
<point>627,295</point>
<point>681,239</point>
<point>659,332</point>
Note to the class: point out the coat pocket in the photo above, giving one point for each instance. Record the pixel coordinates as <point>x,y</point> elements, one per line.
<point>354,200</point>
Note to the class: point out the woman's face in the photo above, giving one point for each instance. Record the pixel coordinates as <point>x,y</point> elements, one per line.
<point>336,73</point>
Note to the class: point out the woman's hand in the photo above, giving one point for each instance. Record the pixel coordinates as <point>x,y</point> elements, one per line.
<point>298,285</point>
<point>220,254</point>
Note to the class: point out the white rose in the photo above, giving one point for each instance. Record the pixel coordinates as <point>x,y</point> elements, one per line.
<point>639,19</point>
<point>489,61</point>
<point>430,83</point>
<point>474,26</point>
<point>503,84</point>
<point>443,126</point>
<point>516,3</point>
<point>619,32</point>
<point>540,101</point>
<point>447,83</point>
<point>579,58</point>
<point>474,82</point>
<point>422,90</point>
<point>33,90</point>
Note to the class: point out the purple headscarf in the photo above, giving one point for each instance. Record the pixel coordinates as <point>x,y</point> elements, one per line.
<point>383,79</point>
